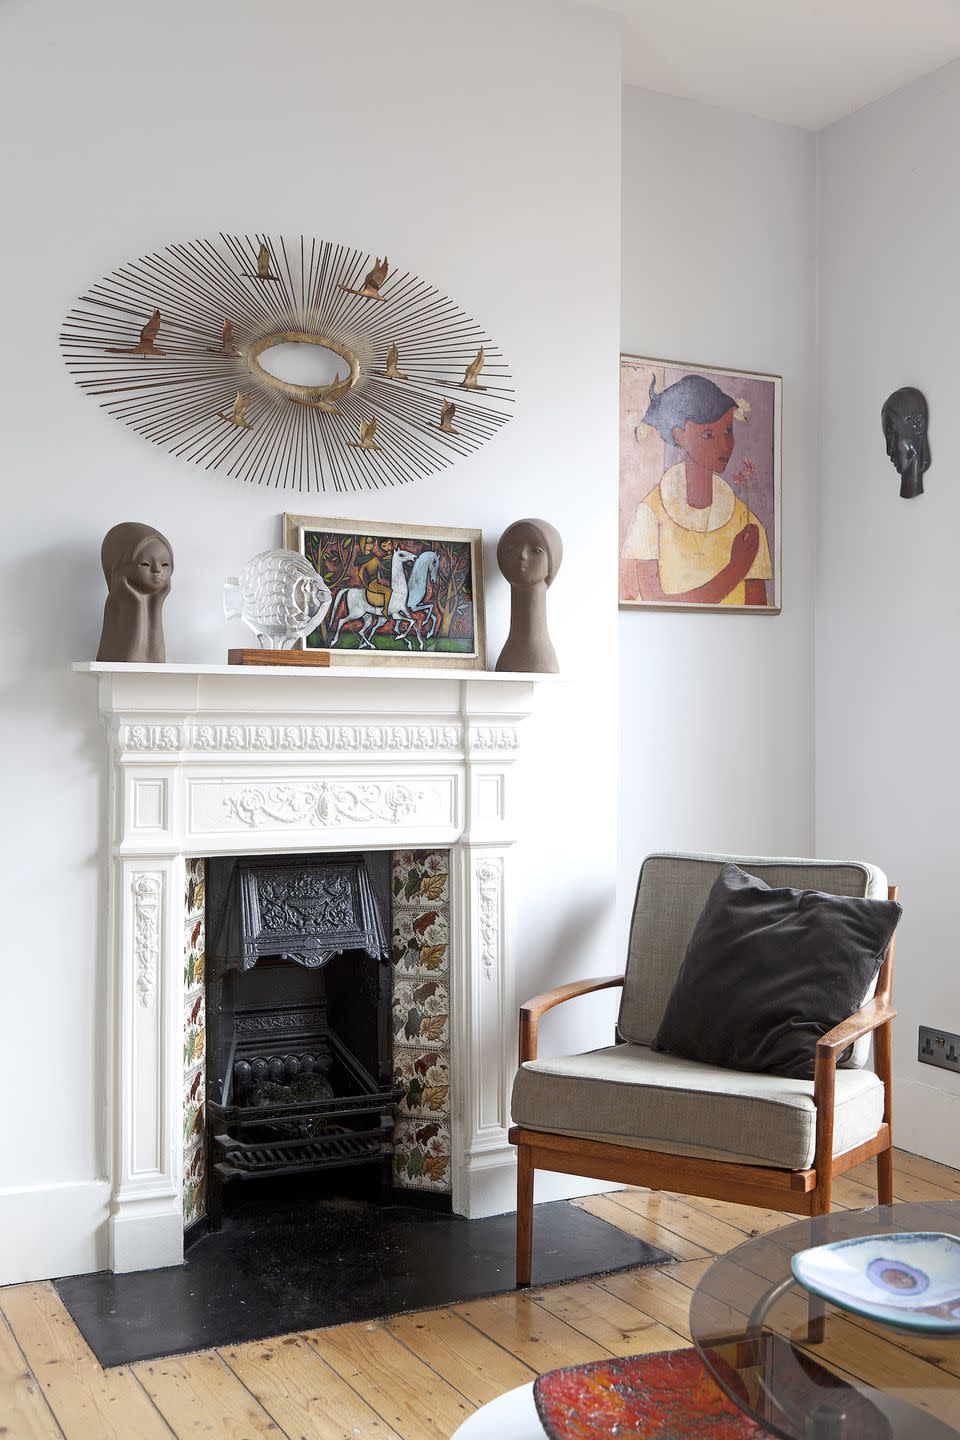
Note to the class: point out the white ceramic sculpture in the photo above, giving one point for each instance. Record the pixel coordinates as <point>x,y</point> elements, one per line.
<point>280,596</point>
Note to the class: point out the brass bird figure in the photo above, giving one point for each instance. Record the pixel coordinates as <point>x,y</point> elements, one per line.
<point>447,412</point>
<point>238,416</point>
<point>146,345</point>
<point>330,396</point>
<point>368,430</point>
<point>228,344</point>
<point>263,271</point>
<point>469,381</point>
<point>393,360</point>
<point>370,289</point>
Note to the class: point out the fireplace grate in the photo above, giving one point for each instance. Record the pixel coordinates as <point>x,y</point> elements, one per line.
<point>325,1151</point>
<point>269,1123</point>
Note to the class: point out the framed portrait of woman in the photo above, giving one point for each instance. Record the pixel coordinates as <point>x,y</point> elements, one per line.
<point>699,487</point>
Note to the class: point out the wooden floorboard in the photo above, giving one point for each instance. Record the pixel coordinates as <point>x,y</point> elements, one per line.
<point>302,1393</point>
<point>417,1377</point>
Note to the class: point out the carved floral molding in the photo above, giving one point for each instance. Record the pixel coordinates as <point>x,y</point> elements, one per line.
<point>258,738</point>
<point>152,737</point>
<point>261,739</point>
<point>323,803</point>
<point>490,892</point>
<point>494,737</point>
<point>147,897</point>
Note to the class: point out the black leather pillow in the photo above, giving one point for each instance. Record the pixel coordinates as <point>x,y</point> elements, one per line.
<point>768,972</point>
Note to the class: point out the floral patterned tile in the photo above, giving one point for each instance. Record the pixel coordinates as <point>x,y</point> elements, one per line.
<point>194,1084</point>
<point>194,1044</point>
<point>425,1076</point>
<point>422,1154</point>
<point>420,949</point>
<point>194,1186</point>
<point>420,876</point>
<point>194,946</point>
<point>196,884</point>
<point>194,1033</point>
<point>421,942</point>
<point>421,1012</point>
<point>193,1122</point>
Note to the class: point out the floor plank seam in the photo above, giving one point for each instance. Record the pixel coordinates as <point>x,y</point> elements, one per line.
<point>28,1370</point>
<point>442,1378</point>
<point>391,1424</point>
<point>144,1391</point>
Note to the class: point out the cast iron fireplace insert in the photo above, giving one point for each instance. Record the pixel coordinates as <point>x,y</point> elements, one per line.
<point>299,1056</point>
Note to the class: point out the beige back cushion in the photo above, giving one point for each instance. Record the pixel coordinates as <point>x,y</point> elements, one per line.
<point>671,893</point>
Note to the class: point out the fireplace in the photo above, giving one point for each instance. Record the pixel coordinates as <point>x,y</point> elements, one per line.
<point>227,762</point>
<point>298,1020</point>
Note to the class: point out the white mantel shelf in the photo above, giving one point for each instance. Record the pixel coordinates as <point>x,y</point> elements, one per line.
<point>206,760</point>
<point>315,672</point>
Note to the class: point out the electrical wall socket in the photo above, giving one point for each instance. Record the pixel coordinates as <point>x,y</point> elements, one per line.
<point>939,1047</point>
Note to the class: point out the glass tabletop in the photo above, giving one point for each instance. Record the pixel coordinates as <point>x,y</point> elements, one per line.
<point>804,1368</point>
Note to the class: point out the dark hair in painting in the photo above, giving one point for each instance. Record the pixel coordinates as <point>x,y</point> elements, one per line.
<point>693,398</point>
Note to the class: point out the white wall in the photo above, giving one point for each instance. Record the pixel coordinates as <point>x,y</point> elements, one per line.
<point>888,780</point>
<point>716,710</point>
<point>443,133</point>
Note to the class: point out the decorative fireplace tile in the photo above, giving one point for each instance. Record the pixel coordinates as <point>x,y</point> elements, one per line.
<point>420,875</point>
<point>420,947</point>
<point>425,1076</point>
<point>421,1012</point>
<point>421,942</point>
<point>194,1045</point>
<point>422,1154</point>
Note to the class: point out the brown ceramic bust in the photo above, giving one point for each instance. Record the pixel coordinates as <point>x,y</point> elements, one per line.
<point>137,565</point>
<point>529,556</point>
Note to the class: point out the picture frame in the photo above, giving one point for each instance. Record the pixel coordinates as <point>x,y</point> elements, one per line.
<point>696,475</point>
<point>403,595</point>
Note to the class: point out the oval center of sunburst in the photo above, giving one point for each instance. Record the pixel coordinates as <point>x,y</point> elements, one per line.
<point>309,368</point>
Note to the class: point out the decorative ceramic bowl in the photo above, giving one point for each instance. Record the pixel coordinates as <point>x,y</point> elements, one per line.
<point>910,1280</point>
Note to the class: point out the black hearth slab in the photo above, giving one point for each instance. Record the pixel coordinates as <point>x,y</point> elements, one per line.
<point>329,1262</point>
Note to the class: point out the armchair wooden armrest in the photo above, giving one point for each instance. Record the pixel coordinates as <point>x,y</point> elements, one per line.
<point>875,1015</point>
<point>876,1012</point>
<point>531,1010</point>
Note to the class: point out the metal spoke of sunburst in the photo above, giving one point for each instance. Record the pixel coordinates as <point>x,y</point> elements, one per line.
<point>181,394</point>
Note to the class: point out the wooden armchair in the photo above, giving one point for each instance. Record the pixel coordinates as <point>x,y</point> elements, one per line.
<point>628,1113</point>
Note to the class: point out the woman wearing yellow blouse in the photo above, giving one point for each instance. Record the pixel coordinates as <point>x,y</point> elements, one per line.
<point>694,542</point>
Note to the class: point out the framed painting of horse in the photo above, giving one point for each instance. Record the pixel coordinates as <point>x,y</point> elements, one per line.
<point>402,595</point>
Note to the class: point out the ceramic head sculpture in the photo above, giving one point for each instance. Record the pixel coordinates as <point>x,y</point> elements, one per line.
<point>529,556</point>
<point>904,420</point>
<point>137,566</point>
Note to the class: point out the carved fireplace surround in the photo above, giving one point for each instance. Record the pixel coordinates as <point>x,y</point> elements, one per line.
<point>222,760</point>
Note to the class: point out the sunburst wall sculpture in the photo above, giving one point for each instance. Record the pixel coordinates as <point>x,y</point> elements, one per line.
<point>174,345</point>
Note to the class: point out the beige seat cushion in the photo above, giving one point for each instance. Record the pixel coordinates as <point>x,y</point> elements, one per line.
<point>631,1095</point>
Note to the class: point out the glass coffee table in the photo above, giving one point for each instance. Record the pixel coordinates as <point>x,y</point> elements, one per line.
<point>805,1369</point>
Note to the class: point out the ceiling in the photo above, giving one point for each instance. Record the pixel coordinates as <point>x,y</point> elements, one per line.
<point>802,62</point>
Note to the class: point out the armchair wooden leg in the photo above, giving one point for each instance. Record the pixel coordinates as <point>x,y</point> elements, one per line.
<point>524,1216</point>
<point>816,1308</point>
<point>822,1196</point>
<point>882,1060</point>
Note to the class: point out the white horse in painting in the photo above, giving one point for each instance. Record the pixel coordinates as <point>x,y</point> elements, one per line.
<point>371,617</point>
<point>425,568</point>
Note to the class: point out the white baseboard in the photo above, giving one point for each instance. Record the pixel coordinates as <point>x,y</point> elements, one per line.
<point>51,1230</point>
<point>926,1121</point>
<point>551,1185</point>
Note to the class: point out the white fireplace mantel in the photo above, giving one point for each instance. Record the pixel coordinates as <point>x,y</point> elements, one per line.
<point>229,760</point>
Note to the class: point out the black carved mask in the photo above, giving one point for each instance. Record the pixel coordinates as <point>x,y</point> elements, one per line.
<point>904,420</point>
